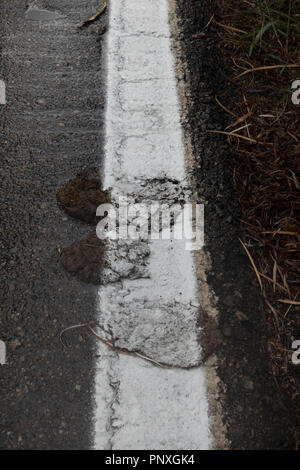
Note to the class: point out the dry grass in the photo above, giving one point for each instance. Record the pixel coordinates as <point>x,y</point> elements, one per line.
<point>261,41</point>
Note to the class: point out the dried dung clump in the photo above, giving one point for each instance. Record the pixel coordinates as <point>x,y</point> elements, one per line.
<point>84,259</point>
<point>81,196</point>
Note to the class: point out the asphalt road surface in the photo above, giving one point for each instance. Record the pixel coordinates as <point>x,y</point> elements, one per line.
<point>51,129</point>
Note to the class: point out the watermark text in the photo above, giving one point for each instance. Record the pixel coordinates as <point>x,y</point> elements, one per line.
<point>2,92</point>
<point>2,353</point>
<point>153,221</point>
<point>296,354</point>
<point>296,93</point>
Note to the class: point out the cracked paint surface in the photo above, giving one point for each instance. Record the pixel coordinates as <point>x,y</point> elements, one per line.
<point>152,309</point>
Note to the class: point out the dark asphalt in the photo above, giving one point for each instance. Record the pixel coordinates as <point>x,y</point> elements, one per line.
<point>51,129</point>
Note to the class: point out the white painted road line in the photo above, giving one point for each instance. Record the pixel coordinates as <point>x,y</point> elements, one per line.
<point>138,405</point>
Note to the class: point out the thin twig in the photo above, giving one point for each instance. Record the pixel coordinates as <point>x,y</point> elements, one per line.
<point>253,264</point>
<point>268,67</point>
<point>111,346</point>
<point>80,325</point>
<point>94,17</point>
<point>235,135</point>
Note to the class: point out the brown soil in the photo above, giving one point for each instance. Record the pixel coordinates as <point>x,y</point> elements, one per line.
<point>81,196</point>
<point>84,259</point>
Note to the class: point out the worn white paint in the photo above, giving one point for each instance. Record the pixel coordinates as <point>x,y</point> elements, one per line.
<point>153,310</point>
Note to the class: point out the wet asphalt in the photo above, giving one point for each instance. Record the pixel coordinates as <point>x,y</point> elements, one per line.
<point>51,129</point>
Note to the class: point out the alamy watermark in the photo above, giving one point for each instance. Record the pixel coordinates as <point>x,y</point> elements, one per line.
<point>2,353</point>
<point>2,92</point>
<point>296,354</point>
<point>152,221</point>
<point>296,92</point>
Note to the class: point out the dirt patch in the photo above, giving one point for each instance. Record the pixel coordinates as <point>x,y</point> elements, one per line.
<point>85,258</point>
<point>81,196</point>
